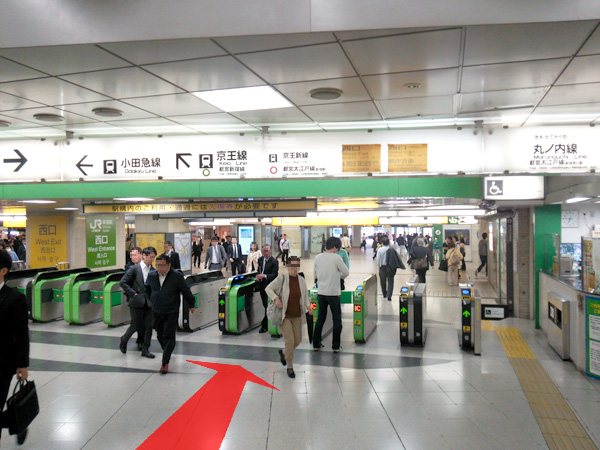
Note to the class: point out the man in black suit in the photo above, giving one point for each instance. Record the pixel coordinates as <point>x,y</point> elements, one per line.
<point>268,268</point>
<point>135,256</point>
<point>173,256</point>
<point>140,308</point>
<point>235,256</point>
<point>165,287</point>
<point>14,338</point>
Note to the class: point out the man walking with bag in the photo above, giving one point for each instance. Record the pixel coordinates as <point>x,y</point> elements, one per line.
<point>14,338</point>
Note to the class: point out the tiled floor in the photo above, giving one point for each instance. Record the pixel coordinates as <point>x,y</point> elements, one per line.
<point>371,396</point>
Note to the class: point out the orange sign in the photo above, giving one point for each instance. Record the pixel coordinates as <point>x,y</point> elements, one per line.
<point>407,157</point>
<point>361,158</point>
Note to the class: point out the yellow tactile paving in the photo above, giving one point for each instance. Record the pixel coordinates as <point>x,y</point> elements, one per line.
<point>487,325</point>
<point>559,425</point>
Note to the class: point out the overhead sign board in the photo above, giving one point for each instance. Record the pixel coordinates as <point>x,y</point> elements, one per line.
<point>361,158</point>
<point>493,312</point>
<point>324,221</point>
<point>407,157</point>
<point>47,240</point>
<point>513,188</point>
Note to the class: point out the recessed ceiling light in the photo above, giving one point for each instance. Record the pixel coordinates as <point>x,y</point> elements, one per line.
<point>577,199</point>
<point>47,117</point>
<point>412,85</point>
<point>244,99</point>
<point>4,123</point>
<point>133,199</point>
<point>67,208</point>
<point>326,93</point>
<point>40,202</point>
<point>107,112</point>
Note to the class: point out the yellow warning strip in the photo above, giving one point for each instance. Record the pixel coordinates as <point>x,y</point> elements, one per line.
<point>559,425</point>
<point>487,325</point>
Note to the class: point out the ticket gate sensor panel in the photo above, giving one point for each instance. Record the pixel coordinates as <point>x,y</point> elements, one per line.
<point>84,296</point>
<point>22,280</point>
<point>48,294</point>
<point>240,307</point>
<point>413,304</point>
<point>205,287</point>
<point>115,309</point>
<point>365,309</point>
<point>469,335</point>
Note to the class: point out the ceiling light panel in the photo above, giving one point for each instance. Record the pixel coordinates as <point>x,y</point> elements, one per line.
<point>592,46</point>
<point>424,106</point>
<point>404,53</point>
<point>514,98</point>
<point>572,94</point>
<point>173,105</point>
<point>123,83</point>
<point>9,102</point>
<point>57,60</point>
<point>488,44</point>
<point>244,99</point>
<point>217,73</point>
<point>583,69</point>
<point>51,91</point>
<point>10,71</point>
<point>86,109</point>
<point>269,116</point>
<point>148,52</point>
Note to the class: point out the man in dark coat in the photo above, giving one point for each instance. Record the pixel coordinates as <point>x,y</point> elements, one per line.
<point>268,269</point>
<point>14,338</point>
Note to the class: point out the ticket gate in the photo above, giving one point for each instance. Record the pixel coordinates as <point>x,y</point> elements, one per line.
<point>240,307</point>
<point>413,304</point>
<point>469,335</point>
<point>22,280</point>
<point>84,296</point>
<point>48,294</point>
<point>115,308</point>
<point>205,287</point>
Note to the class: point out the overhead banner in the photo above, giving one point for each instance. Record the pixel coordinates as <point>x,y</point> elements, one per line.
<point>47,240</point>
<point>203,207</point>
<point>407,157</point>
<point>361,158</point>
<point>101,241</point>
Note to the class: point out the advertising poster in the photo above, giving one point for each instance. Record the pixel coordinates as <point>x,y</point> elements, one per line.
<point>245,237</point>
<point>593,335</point>
<point>156,240</point>
<point>295,237</point>
<point>47,240</point>
<point>101,241</point>
<point>407,157</point>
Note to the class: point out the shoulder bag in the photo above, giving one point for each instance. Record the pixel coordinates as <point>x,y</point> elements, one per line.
<point>22,407</point>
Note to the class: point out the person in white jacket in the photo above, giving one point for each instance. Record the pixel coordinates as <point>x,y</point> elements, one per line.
<point>290,294</point>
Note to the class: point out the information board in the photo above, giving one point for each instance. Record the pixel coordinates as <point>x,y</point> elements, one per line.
<point>182,243</point>
<point>101,241</point>
<point>156,240</point>
<point>47,240</point>
<point>361,158</point>
<point>593,336</point>
<point>407,157</point>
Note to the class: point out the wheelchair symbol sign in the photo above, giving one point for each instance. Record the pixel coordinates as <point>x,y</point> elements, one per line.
<point>495,187</point>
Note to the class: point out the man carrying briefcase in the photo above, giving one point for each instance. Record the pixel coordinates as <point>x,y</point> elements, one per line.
<point>14,338</point>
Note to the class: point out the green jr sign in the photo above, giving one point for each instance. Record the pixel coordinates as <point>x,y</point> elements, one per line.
<point>593,336</point>
<point>101,241</point>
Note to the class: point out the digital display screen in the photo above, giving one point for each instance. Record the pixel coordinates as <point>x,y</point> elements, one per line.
<point>245,237</point>
<point>466,292</point>
<point>404,290</point>
<point>359,288</point>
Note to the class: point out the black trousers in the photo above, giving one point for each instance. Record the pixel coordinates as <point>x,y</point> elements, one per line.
<point>196,261</point>
<point>483,259</point>
<point>285,255</point>
<point>265,301</point>
<point>236,267</point>
<point>387,281</point>
<point>421,273</point>
<point>141,322</point>
<point>166,328</point>
<point>5,379</point>
<point>336,310</point>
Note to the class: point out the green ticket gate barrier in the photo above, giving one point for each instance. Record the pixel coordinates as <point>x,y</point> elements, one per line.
<point>115,308</point>
<point>205,287</point>
<point>412,313</point>
<point>48,295</point>
<point>240,307</point>
<point>84,296</point>
<point>364,301</point>
<point>22,280</point>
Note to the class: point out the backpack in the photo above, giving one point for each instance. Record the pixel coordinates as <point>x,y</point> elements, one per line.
<point>454,259</point>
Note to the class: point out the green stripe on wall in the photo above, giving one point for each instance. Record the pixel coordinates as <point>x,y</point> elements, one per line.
<point>459,187</point>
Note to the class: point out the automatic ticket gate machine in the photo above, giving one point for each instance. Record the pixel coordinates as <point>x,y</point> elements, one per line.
<point>469,334</point>
<point>22,280</point>
<point>240,306</point>
<point>413,303</point>
<point>48,294</point>
<point>205,287</point>
<point>84,296</point>
<point>115,309</point>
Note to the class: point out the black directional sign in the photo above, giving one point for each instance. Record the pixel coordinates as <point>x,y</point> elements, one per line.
<point>493,312</point>
<point>21,160</point>
<point>79,165</point>
<point>179,157</point>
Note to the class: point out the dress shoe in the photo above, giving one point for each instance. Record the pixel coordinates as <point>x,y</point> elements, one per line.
<point>263,330</point>
<point>123,347</point>
<point>282,358</point>
<point>21,437</point>
<point>140,348</point>
<point>291,373</point>
<point>318,348</point>
<point>164,369</point>
<point>147,354</point>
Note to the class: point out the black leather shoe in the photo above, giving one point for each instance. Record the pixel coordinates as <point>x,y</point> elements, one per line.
<point>263,330</point>
<point>318,348</point>
<point>21,437</point>
<point>140,348</point>
<point>123,347</point>
<point>291,373</point>
<point>147,354</point>
<point>282,358</point>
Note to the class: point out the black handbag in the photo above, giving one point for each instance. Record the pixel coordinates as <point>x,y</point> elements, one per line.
<point>22,407</point>
<point>444,265</point>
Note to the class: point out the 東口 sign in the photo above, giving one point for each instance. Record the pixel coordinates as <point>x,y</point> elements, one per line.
<point>361,158</point>
<point>47,240</point>
<point>101,241</point>
<point>407,157</point>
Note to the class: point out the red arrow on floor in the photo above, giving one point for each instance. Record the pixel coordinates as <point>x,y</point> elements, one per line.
<point>202,421</point>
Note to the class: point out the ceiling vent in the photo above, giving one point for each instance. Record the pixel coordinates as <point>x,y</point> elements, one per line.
<point>4,123</point>
<point>107,112</point>
<point>326,93</point>
<point>47,117</point>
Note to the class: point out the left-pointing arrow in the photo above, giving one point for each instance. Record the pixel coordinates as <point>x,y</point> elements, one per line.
<point>79,165</point>
<point>22,160</point>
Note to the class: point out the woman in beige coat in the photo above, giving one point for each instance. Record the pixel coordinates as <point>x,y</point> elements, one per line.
<point>454,257</point>
<point>290,294</point>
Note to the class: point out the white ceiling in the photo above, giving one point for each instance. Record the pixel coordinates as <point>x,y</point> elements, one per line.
<point>516,75</point>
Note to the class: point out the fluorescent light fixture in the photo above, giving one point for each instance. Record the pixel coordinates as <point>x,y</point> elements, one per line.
<point>398,202</point>
<point>67,208</point>
<point>13,218</point>
<point>210,223</point>
<point>578,199</point>
<point>244,99</point>
<point>39,202</point>
<point>133,199</point>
